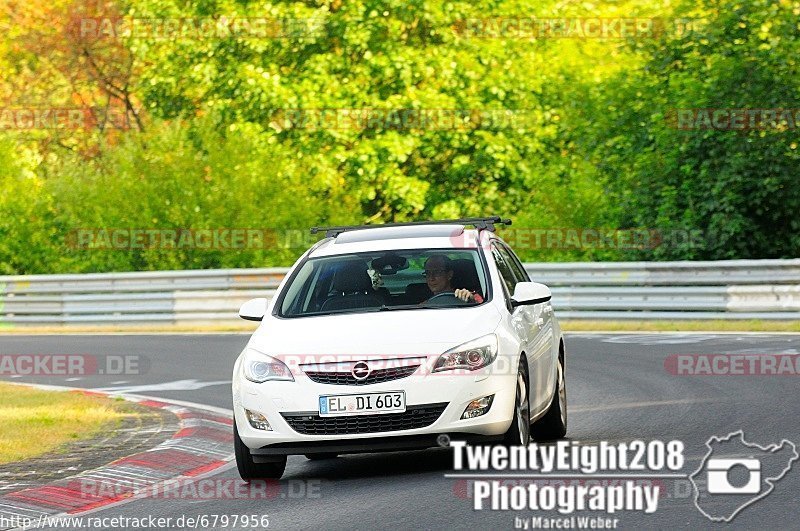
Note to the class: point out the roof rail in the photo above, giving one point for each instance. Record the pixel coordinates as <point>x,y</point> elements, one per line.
<point>479,223</point>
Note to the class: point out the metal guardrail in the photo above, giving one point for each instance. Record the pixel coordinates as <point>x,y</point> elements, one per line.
<point>735,289</point>
<point>730,289</point>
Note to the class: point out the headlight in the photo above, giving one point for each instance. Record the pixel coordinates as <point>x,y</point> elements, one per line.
<point>471,356</point>
<point>259,368</point>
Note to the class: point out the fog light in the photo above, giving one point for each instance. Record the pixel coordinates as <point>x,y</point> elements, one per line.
<point>478,407</point>
<point>257,420</point>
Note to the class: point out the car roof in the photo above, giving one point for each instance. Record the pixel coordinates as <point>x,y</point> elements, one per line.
<point>400,237</point>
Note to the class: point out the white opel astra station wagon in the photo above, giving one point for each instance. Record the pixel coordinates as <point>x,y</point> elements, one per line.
<point>389,337</point>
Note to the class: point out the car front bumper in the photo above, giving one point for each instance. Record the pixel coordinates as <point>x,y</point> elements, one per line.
<point>301,397</point>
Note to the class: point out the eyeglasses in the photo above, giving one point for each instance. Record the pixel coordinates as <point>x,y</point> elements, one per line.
<point>434,273</point>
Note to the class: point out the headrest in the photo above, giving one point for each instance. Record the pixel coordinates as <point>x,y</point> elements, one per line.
<point>352,277</point>
<point>465,275</point>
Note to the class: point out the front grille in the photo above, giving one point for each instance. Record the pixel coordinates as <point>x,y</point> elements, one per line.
<point>376,376</point>
<point>413,417</point>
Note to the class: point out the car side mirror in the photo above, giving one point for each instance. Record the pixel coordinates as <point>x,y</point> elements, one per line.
<point>254,309</point>
<point>530,293</point>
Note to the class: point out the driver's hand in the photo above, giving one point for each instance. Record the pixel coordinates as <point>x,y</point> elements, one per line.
<point>464,294</point>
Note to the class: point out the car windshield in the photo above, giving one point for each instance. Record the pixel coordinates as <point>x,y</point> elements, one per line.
<point>385,281</point>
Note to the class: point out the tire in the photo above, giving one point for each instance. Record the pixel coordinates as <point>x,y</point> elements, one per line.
<point>320,457</point>
<point>519,433</point>
<point>249,470</point>
<point>553,425</point>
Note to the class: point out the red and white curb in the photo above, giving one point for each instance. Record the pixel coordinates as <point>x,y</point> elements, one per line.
<point>201,447</point>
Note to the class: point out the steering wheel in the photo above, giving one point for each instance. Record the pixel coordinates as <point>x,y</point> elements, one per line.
<point>446,298</point>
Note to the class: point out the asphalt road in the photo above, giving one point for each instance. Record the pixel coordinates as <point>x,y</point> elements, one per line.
<point>618,387</point>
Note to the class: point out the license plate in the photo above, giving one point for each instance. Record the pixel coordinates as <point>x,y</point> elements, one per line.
<point>362,404</point>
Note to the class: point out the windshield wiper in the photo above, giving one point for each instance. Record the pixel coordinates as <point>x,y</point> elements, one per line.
<point>457,305</point>
<point>382,308</point>
<point>385,308</point>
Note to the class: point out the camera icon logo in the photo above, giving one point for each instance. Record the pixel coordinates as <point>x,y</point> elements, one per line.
<point>735,474</point>
<point>718,480</point>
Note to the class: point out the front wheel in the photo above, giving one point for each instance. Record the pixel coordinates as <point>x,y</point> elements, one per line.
<point>553,425</point>
<point>250,470</point>
<point>519,433</point>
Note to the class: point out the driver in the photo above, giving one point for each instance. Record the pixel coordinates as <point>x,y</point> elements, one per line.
<point>439,275</point>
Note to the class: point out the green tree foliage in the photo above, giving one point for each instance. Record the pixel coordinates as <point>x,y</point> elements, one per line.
<point>366,55</point>
<point>28,225</point>
<point>223,131</point>
<point>737,187</point>
<point>183,177</point>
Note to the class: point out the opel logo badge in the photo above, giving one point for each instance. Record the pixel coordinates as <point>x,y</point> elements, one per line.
<point>360,371</point>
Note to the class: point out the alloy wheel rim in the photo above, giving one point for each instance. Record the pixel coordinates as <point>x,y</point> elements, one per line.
<point>523,411</point>
<point>562,394</point>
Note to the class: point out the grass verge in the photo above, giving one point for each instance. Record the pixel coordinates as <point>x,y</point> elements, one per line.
<point>34,422</point>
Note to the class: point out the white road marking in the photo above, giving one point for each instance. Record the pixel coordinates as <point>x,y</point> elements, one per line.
<point>762,351</point>
<point>178,385</point>
<point>632,405</point>
<point>657,339</point>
